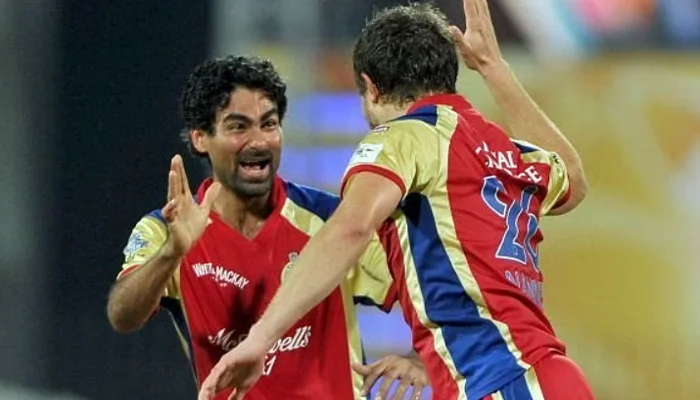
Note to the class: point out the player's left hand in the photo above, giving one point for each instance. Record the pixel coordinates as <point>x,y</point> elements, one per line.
<point>408,371</point>
<point>478,44</point>
<point>238,369</point>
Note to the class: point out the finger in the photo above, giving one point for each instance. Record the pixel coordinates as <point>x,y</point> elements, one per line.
<point>471,12</point>
<point>417,391</point>
<point>210,195</point>
<point>400,390</point>
<point>170,211</point>
<point>238,394</point>
<point>209,387</point>
<point>458,37</point>
<point>482,7</point>
<point>363,370</point>
<point>371,379</point>
<point>183,176</point>
<point>460,41</point>
<point>176,181</point>
<point>172,177</point>
<point>206,393</point>
<point>383,392</point>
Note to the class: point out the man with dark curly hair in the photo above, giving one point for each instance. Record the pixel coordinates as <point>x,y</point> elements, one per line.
<point>215,259</point>
<point>457,201</point>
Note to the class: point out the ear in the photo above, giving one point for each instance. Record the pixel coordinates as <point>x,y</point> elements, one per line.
<point>371,92</point>
<point>199,141</point>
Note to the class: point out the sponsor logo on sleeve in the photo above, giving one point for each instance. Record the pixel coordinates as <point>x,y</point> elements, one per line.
<point>135,243</point>
<point>366,153</point>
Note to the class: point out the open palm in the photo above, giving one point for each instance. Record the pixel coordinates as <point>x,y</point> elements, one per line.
<point>478,45</point>
<point>185,218</point>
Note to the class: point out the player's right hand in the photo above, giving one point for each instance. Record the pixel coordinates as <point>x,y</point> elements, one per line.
<point>185,218</point>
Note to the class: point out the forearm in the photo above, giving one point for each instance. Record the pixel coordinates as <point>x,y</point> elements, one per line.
<point>320,268</point>
<point>528,122</point>
<point>135,297</point>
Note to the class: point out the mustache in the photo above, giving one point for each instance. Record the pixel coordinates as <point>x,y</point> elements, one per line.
<point>249,156</point>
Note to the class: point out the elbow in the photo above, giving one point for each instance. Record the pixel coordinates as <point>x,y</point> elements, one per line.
<point>119,320</point>
<point>579,189</point>
<point>578,185</point>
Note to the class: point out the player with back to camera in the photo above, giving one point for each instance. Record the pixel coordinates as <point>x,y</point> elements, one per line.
<point>457,203</point>
<point>215,261</point>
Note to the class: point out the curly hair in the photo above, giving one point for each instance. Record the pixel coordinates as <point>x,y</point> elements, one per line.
<point>407,51</point>
<point>208,89</point>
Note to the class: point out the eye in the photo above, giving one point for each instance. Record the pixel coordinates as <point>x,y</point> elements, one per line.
<point>270,123</point>
<point>235,127</point>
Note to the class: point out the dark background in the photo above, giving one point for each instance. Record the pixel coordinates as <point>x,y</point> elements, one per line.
<point>118,121</point>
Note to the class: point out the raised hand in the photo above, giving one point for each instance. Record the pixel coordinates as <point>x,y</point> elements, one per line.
<point>185,218</point>
<point>478,45</point>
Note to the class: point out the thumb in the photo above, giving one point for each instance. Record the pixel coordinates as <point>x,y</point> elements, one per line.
<point>210,195</point>
<point>363,370</point>
<point>459,39</point>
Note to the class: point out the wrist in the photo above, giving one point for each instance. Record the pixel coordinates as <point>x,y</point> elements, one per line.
<point>168,253</point>
<point>263,337</point>
<point>495,71</point>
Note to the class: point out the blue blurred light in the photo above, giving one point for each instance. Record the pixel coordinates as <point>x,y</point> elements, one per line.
<point>322,167</point>
<point>324,113</point>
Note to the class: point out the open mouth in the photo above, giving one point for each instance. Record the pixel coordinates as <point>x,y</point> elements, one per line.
<point>255,169</point>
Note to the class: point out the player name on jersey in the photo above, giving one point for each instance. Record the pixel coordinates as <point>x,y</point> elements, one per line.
<point>505,161</point>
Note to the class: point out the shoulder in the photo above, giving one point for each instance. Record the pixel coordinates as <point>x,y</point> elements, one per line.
<point>153,220</point>
<point>421,118</point>
<point>410,127</point>
<point>316,201</point>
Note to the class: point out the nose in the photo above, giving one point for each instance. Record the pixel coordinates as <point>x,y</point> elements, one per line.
<point>257,140</point>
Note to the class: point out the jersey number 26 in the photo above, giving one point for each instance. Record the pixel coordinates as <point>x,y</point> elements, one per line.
<point>514,246</point>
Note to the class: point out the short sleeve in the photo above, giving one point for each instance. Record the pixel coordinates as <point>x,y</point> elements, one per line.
<point>558,188</point>
<point>389,150</point>
<point>371,280</point>
<point>146,239</point>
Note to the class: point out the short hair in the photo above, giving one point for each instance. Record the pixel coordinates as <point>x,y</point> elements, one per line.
<point>208,89</point>
<point>407,51</point>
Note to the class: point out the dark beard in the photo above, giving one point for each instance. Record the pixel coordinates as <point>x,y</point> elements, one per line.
<point>245,189</point>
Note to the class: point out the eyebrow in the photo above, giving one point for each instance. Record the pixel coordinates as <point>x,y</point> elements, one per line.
<point>244,118</point>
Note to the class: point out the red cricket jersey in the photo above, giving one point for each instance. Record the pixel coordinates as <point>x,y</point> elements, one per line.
<point>226,281</point>
<point>463,245</point>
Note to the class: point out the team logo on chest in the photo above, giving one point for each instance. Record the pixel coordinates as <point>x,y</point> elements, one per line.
<point>222,276</point>
<point>288,267</point>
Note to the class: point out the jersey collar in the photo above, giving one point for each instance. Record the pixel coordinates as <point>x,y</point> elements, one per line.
<point>456,101</point>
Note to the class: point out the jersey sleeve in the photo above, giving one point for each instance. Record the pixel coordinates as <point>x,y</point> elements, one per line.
<point>371,281</point>
<point>395,151</point>
<point>558,188</point>
<point>147,237</point>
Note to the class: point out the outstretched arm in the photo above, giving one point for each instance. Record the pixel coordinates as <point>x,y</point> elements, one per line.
<point>369,199</point>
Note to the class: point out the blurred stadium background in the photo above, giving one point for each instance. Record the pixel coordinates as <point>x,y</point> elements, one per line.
<point>88,116</point>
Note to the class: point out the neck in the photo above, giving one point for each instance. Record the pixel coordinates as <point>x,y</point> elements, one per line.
<point>391,111</point>
<point>246,215</point>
